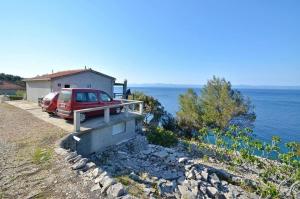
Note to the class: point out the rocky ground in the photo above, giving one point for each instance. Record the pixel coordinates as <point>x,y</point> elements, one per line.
<point>150,171</point>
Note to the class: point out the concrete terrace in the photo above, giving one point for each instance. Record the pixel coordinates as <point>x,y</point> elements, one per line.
<point>91,123</point>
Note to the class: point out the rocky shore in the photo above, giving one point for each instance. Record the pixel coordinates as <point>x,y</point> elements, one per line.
<point>158,172</point>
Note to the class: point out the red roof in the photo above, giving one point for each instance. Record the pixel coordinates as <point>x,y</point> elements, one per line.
<point>6,85</point>
<point>63,73</point>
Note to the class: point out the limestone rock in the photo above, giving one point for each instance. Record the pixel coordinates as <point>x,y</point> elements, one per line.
<point>202,188</point>
<point>116,190</point>
<point>135,177</point>
<point>197,175</point>
<point>75,159</point>
<point>214,180</point>
<point>100,177</point>
<point>90,165</point>
<point>190,174</point>
<point>95,187</point>
<point>211,191</point>
<point>181,180</point>
<point>187,167</point>
<point>236,179</point>
<point>161,154</point>
<point>186,193</point>
<point>95,172</point>
<point>204,175</point>
<point>167,187</point>
<point>80,164</point>
<point>182,160</point>
<point>107,182</point>
<point>71,155</point>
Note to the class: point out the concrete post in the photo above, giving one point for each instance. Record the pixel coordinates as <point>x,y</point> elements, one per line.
<point>141,108</point>
<point>76,121</point>
<point>124,88</point>
<point>106,115</point>
<point>126,110</point>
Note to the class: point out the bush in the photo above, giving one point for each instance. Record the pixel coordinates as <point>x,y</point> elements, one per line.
<point>160,136</point>
<point>14,97</point>
<point>21,93</point>
<point>168,122</point>
<point>153,110</point>
<point>269,190</point>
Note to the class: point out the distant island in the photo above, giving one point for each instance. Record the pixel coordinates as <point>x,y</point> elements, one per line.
<point>166,85</point>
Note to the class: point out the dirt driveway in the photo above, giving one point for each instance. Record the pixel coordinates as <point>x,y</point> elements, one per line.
<point>35,110</point>
<point>28,166</point>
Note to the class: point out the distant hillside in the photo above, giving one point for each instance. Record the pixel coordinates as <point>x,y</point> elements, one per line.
<point>12,78</point>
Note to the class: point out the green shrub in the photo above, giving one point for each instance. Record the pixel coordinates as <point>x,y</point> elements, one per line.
<point>168,122</point>
<point>14,97</point>
<point>20,93</point>
<point>160,136</point>
<point>269,190</point>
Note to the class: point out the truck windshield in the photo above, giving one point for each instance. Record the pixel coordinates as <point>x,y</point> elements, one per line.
<point>65,96</point>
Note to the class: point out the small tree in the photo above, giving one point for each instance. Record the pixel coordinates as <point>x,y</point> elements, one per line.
<point>168,122</point>
<point>153,110</point>
<point>220,104</point>
<point>189,114</point>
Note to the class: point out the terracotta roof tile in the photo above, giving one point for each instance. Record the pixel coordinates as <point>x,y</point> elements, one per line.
<point>62,74</point>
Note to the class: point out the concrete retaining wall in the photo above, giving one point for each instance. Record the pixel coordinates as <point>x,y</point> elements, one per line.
<point>100,138</point>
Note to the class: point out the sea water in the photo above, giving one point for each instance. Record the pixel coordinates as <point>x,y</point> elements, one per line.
<point>277,110</point>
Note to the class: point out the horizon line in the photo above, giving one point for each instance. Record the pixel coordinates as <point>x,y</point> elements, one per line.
<point>201,85</point>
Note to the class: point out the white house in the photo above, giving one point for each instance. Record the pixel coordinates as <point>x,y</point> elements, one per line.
<point>40,86</point>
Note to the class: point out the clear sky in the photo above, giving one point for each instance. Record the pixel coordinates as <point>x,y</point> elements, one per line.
<point>253,42</point>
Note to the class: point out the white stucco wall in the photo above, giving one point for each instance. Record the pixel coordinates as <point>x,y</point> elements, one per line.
<point>36,89</point>
<point>83,80</point>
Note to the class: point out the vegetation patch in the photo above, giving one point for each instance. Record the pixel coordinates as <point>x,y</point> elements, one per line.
<point>160,136</point>
<point>269,190</point>
<point>41,155</point>
<point>132,187</point>
<point>14,97</point>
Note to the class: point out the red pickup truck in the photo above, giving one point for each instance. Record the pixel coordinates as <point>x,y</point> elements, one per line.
<point>71,99</point>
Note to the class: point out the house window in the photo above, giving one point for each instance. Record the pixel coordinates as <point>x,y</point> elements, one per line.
<point>59,84</point>
<point>89,86</point>
<point>67,85</point>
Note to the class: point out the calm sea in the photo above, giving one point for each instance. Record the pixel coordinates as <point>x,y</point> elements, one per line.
<point>277,111</point>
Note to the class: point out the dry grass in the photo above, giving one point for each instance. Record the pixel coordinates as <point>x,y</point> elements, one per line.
<point>42,155</point>
<point>132,187</point>
<point>28,166</point>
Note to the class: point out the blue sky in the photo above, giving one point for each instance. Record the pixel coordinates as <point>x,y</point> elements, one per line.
<point>164,41</point>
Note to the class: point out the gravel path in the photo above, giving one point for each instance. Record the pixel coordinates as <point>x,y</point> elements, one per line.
<point>21,134</point>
